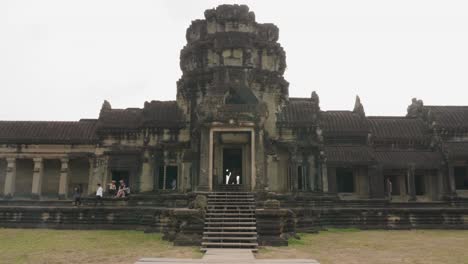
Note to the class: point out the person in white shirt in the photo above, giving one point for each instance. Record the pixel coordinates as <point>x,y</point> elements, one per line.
<point>99,192</point>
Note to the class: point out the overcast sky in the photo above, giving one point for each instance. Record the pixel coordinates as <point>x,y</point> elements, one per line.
<point>60,59</point>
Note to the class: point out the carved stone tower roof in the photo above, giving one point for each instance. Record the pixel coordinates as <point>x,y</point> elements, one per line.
<point>230,59</point>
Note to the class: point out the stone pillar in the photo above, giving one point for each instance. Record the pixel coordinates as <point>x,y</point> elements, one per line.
<point>147,179</point>
<point>294,175</point>
<point>451,180</point>
<point>259,161</point>
<point>272,172</point>
<point>411,182</point>
<point>38,174</point>
<point>311,173</point>
<point>253,162</point>
<point>98,173</point>
<point>204,160</point>
<point>324,176</point>
<point>376,182</point>
<point>63,182</point>
<point>293,162</point>
<point>10,179</point>
<point>444,174</point>
<point>185,176</point>
<point>441,186</point>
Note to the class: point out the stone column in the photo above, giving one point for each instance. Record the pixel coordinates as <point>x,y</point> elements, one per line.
<point>185,176</point>
<point>440,183</point>
<point>323,174</point>
<point>98,173</point>
<point>294,175</point>
<point>311,173</point>
<point>203,184</point>
<point>37,178</point>
<point>293,162</point>
<point>376,182</point>
<point>147,179</point>
<point>10,179</point>
<point>259,160</point>
<point>63,182</point>
<point>444,181</point>
<point>272,172</point>
<point>451,180</point>
<point>411,182</point>
<point>253,161</point>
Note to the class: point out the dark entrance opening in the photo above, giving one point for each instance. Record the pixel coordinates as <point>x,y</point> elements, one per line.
<point>118,175</point>
<point>344,180</point>
<point>167,175</point>
<point>232,165</point>
<point>461,178</point>
<point>419,185</point>
<point>395,180</point>
<point>171,177</point>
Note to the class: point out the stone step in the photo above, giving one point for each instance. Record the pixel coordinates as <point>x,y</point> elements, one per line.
<point>230,244</point>
<point>234,203</point>
<point>231,193</point>
<point>235,195</point>
<point>230,207</point>
<point>231,223</point>
<point>221,208</point>
<point>229,214</point>
<point>230,219</point>
<point>230,233</point>
<point>253,250</point>
<point>231,227</point>
<point>230,201</point>
<point>211,238</point>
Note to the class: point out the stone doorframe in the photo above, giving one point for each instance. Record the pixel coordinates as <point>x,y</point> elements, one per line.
<point>252,153</point>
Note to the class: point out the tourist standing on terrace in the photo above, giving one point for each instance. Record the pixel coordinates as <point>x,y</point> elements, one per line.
<point>389,189</point>
<point>77,196</point>
<point>99,192</point>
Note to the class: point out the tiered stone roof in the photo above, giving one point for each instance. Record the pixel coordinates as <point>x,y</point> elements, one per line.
<point>349,155</point>
<point>343,123</point>
<point>398,128</point>
<point>402,158</point>
<point>155,114</point>
<point>48,132</point>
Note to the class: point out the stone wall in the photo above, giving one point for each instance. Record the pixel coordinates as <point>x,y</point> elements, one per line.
<point>84,218</point>
<point>310,219</point>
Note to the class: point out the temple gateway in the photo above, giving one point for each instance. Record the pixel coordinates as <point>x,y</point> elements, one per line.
<point>234,128</point>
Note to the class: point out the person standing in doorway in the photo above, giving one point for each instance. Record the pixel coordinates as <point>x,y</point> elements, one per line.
<point>389,189</point>
<point>99,193</point>
<point>228,176</point>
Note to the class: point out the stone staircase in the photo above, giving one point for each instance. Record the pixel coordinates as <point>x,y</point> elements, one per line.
<point>230,221</point>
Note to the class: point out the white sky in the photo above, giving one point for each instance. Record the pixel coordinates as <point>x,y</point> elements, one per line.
<point>60,59</point>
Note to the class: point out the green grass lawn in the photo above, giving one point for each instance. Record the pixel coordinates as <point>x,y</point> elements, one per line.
<point>352,246</point>
<point>41,246</point>
<point>66,246</point>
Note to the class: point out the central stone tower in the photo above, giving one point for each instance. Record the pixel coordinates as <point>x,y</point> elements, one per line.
<point>232,82</point>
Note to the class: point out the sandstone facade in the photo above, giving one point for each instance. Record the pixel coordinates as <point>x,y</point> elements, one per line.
<point>233,113</point>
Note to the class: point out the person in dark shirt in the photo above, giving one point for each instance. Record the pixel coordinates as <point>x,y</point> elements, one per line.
<point>77,196</point>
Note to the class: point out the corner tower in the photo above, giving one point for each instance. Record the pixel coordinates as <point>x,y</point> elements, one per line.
<point>231,89</point>
<point>232,69</point>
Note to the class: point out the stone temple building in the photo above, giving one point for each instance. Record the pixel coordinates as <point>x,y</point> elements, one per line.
<point>233,113</point>
<point>234,161</point>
